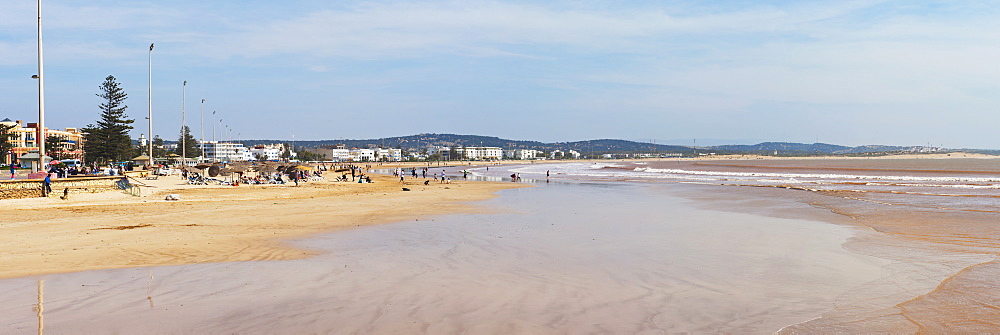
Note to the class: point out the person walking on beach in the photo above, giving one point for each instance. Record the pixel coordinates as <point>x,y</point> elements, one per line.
<point>48,185</point>
<point>12,171</point>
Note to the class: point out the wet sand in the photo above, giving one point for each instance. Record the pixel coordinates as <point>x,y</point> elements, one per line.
<point>932,220</point>
<point>573,256</point>
<point>562,258</point>
<point>210,223</point>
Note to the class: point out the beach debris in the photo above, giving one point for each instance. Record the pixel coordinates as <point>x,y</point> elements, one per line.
<point>173,197</point>
<point>143,225</point>
<point>405,189</point>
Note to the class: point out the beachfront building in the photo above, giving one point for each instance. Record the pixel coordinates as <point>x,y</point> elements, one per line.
<point>572,154</point>
<point>336,154</point>
<point>362,155</point>
<point>331,153</point>
<point>523,154</point>
<point>216,151</point>
<point>24,141</point>
<point>341,154</point>
<point>267,152</point>
<point>443,153</point>
<point>389,155</point>
<point>557,154</point>
<point>480,153</point>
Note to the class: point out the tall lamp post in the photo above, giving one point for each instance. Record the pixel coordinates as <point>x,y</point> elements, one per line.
<point>149,93</point>
<point>215,145</point>
<point>183,137</point>
<point>203,129</point>
<point>39,138</point>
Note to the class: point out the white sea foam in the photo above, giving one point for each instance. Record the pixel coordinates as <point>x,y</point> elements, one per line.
<point>818,175</point>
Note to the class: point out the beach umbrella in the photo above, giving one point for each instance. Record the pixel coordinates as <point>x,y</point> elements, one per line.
<point>303,167</point>
<point>229,169</point>
<point>214,170</point>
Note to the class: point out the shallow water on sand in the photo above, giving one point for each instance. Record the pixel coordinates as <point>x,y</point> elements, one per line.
<point>563,258</point>
<point>935,221</point>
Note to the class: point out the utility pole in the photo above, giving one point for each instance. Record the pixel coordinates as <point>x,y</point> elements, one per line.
<point>40,138</point>
<point>183,134</point>
<point>203,157</point>
<point>149,93</point>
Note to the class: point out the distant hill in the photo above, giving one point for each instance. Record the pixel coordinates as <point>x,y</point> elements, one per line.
<point>785,148</point>
<point>597,147</point>
<point>428,140</point>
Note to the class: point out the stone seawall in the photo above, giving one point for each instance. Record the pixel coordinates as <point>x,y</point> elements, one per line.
<point>32,188</point>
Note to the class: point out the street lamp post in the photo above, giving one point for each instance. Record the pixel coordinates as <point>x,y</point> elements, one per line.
<point>149,93</point>
<point>215,144</point>
<point>203,129</point>
<point>41,97</point>
<point>183,137</point>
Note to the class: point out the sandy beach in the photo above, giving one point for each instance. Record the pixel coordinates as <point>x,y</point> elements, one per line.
<point>210,223</point>
<point>803,245</point>
<point>558,258</point>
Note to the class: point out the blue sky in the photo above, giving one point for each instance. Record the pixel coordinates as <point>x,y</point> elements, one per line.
<point>844,72</point>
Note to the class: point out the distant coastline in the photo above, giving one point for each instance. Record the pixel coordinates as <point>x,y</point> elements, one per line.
<point>597,147</point>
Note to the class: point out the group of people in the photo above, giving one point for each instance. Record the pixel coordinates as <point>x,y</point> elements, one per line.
<point>260,178</point>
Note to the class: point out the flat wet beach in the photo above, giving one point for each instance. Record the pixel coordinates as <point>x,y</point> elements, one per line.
<point>577,257</point>
<point>933,221</point>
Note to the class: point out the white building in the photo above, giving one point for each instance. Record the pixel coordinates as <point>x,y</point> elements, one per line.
<point>443,152</point>
<point>338,154</point>
<point>572,154</point>
<point>269,152</point>
<point>556,153</point>
<point>226,152</point>
<point>523,154</point>
<point>389,155</point>
<point>362,155</point>
<point>480,153</point>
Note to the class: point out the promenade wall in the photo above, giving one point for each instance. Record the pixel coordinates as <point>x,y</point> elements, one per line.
<point>32,188</point>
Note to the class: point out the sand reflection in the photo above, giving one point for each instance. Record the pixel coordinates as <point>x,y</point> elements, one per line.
<point>565,259</point>
<point>41,307</point>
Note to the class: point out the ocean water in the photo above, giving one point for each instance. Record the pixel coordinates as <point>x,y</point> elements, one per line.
<point>584,255</point>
